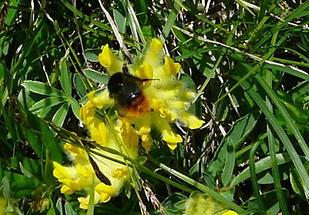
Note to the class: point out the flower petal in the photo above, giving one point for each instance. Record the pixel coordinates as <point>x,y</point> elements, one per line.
<point>170,137</point>
<point>145,71</point>
<point>66,189</point>
<point>100,100</point>
<point>190,120</point>
<point>230,212</point>
<point>61,172</point>
<point>170,67</point>
<point>154,53</point>
<point>107,59</point>
<point>120,173</point>
<point>83,202</point>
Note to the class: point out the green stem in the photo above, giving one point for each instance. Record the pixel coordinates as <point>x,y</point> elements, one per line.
<point>254,183</point>
<point>200,186</point>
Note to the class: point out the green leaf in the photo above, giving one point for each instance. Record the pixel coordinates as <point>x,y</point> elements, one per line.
<point>35,141</point>
<point>53,146</point>
<point>69,209</point>
<point>61,114</point>
<point>91,56</point>
<point>51,210</point>
<point>2,73</point>
<point>242,4</point>
<point>288,69</point>
<point>120,20</point>
<point>44,112</point>
<point>290,122</point>
<point>268,178</point>
<point>281,134</point>
<point>75,108</point>
<point>296,182</point>
<point>229,164</point>
<point>171,18</point>
<point>23,186</point>
<point>65,77</point>
<point>4,45</point>
<point>209,73</point>
<point>236,135</point>
<point>5,187</point>
<point>96,76</point>
<point>41,88</point>
<point>11,13</point>
<point>148,31</point>
<point>189,83</point>
<point>260,166</point>
<point>47,103</point>
<point>211,193</point>
<point>175,203</point>
<point>26,172</point>
<point>80,84</point>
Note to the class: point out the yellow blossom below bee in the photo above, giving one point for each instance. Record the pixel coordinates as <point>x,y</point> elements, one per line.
<point>81,176</point>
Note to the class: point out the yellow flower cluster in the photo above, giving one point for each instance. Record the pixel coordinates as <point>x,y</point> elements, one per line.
<point>167,98</point>
<point>82,176</point>
<point>163,100</point>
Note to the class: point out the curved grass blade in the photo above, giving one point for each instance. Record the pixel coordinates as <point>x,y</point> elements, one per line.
<point>285,115</point>
<point>253,177</point>
<point>261,165</point>
<point>272,151</point>
<point>203,188</point>
<point>282,136</point>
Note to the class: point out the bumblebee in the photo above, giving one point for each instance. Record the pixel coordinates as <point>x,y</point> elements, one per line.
<point>126,90</point>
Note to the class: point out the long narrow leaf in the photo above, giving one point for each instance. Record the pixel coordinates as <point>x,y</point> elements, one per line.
<point>46,103</point>
<point>261,165</point>
<point>203,188</point>
<point>285,114</point>
<point>65,77</point>
<point>253,177</point>
<point>60,115</point>
<point>41,88</point>
<point>282,135</point>
<point>272,151</point>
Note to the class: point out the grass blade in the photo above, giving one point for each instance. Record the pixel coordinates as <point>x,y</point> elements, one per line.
<point>282,135</point>
<point>285,115</point>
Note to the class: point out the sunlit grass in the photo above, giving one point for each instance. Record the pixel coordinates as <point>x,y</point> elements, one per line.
<point>247,62</point>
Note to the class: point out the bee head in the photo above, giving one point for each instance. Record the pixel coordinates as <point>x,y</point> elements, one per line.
<point>116,83</point>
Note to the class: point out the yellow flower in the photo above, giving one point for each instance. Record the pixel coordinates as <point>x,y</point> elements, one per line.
<point>81,176</point>
<point>162,100</point>
<point>200,203</point>
<point>109,60</point>
<point>3,204</point>
<point>230,212</point>
<point>165,99</point>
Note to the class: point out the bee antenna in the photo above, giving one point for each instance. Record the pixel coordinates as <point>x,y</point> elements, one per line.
<point>149,79</point>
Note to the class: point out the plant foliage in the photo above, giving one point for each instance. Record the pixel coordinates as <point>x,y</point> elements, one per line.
<point>247,60</point>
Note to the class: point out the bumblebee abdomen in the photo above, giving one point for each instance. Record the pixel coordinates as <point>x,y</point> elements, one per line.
<point>127,98</point>
<point>127,93</point>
